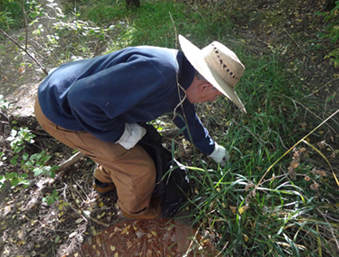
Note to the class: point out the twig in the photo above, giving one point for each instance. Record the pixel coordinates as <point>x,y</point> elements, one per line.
<point>32,57</point>
<point>70,205</point>
<point>85,216</point>
<point>318,89</point>
<point>311,112</point>
<point>175,30</point>
<point>73,159</point>
<point>293,39</point>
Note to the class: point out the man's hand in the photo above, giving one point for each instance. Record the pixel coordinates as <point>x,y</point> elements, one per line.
<point>220,154</point>
<point>131,136</point>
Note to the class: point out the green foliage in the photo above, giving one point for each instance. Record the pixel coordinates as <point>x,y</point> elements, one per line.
<point>35,163</point>
<point>277,219</point>
<point>10,14</point>
<point>19,137</point>
<point>331,31</point>
<point>50,199</point>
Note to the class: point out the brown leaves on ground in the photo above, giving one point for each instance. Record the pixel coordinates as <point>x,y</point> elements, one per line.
<point>148,238</point>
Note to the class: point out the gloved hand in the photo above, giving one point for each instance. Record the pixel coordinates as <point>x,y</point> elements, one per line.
<point>220,154</point>
<point>131,136</point>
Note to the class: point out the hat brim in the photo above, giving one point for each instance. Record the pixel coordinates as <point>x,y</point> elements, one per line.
<point>195,57</point>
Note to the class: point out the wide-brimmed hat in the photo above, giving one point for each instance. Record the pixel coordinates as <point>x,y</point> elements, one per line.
<point>219,65</point>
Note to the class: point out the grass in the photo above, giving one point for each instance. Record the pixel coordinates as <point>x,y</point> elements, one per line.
<point>281,216</point>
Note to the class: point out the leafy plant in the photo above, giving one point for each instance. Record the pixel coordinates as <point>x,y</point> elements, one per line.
<point>35,163</point>
<point>50,199</point>
<point>19,137</point>
<point>332,32</point>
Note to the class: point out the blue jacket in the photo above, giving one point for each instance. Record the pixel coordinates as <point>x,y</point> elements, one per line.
<point>135,84</point>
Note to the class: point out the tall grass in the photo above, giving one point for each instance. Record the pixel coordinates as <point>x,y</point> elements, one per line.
<point>282,217</point>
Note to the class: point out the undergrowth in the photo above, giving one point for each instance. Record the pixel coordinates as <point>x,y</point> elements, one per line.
<point>256,205</point>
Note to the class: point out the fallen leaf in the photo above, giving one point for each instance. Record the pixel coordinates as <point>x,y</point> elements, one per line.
<point>125,230</point>
<point>307,178</point>
<point>112,248</point>
<point>242,209</point>
<point>315,186</point>
<point>149,253</point>
<point>245,238</point>
<point>21,242</point>
<point>98,241</point>
<point>129,244</point>
<point>21,70</point>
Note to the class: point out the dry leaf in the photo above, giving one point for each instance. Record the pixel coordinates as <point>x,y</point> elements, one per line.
<point>154,233</point>
<point>234,210</point>
<point>315,186</point>
<point>248,186</point>
<point>116,254</point>
<point>125,230</point>
<point>258,168</point>
<point>245,238</point>
<point>307,178</point>
<point>149,253</point>
<point>117,229</point>
<point>129,244</point>
<point>4,78</point>
<point>21,242</point>
<point>98,241</point>
<point>112,248</point>
<point>242,209</point>
<point>292,173</point>
<point>21,70</point>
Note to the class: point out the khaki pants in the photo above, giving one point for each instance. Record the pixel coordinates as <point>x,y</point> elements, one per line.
<point>132,171</point>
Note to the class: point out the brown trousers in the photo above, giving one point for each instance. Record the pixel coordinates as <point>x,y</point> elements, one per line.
<point>132,171</point>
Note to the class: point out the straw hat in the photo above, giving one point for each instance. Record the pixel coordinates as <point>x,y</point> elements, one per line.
<point>218,65</point>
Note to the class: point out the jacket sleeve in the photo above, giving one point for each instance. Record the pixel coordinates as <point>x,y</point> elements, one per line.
<point>196,132</point>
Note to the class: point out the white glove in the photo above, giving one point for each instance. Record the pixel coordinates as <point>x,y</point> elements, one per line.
<point>131,136</point>
<point>220,154</point>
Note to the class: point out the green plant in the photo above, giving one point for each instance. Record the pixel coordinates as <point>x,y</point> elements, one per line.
<point>50,199</point>
<point>18,139</point>
<point>35,162</point>
<point>331,31</point>
<point>4,104</point>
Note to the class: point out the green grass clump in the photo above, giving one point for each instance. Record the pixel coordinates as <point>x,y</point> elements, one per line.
<point>282,216</point>
<point>11,16</point>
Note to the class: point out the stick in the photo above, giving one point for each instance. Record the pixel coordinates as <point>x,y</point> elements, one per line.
<point>23,49</point>
<point>73,159</point>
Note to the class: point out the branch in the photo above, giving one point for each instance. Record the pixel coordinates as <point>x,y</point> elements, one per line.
<point>73,159</point>
<point>23,49</point>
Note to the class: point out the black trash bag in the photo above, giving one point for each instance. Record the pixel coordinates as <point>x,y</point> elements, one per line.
<point>172,183</point>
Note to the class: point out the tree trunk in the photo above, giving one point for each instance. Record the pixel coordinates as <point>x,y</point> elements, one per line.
<point>132,3</point>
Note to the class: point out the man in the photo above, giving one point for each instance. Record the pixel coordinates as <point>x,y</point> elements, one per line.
<point>95,106</point>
